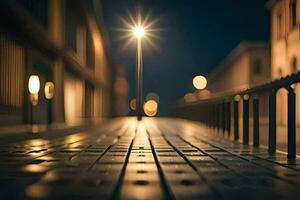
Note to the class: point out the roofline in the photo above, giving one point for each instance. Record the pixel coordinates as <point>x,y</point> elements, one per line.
<point>241,48</point>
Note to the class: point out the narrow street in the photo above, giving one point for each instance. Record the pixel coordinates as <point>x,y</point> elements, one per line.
<point>157,158</point>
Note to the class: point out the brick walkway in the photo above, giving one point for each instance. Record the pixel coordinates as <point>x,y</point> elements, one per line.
<point>155,159</point>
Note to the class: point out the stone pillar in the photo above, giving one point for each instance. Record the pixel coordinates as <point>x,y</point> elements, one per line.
<point>272,122</point>
<point>56,30</point>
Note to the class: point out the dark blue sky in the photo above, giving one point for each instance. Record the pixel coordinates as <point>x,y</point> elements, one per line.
<point>197,35</point>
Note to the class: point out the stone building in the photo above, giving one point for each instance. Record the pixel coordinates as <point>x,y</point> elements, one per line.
<point>285,48</point>
<point>247,65</point>
<point>62,42</point>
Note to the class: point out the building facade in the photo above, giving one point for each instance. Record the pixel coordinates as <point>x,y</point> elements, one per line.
<point>285,49</point>
<point>62,43</point>
<point>247,65</point>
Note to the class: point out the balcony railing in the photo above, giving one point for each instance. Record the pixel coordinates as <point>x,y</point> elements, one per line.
<point>218,111</point>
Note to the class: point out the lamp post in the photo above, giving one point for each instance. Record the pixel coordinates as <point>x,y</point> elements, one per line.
<point>139,32</point>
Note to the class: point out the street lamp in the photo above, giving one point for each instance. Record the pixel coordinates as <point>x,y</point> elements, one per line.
<point>139,32</point>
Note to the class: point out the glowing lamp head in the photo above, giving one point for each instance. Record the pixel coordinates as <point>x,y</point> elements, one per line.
<point>34,84</point>
<point>49,90</point>
<point>139,31</point>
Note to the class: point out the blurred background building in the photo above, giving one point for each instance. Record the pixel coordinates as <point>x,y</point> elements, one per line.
<point>247,65</point>
<point>61,42</point>
<point>285,49</point>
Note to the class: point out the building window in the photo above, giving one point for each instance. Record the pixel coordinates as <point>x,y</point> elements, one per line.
<point>293,13</point>
<point>279,25</point>
<point>294,63</point>
<point>257,66</point>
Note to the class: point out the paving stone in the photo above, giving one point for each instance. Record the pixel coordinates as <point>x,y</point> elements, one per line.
<point>154,159</point>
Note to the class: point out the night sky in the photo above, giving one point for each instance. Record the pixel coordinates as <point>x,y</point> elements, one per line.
<point>196,35</point>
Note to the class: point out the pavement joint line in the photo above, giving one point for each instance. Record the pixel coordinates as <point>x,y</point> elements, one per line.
<point>215,159</point>
<point>294,184</point>
<point>216,192</point>
<point>97,141</point>
<point>167,189</point>
<point>117,189</point>
<point>177,152</point>
<point>62,146</point>
<point>107,149</point>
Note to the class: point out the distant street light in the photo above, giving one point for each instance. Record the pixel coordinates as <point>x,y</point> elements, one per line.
<point>49,90</point>
<point>34,84</point>
<point>150,108</point>
<point>199,82</point>
<point>139,32</point>
<point>34,88</point>
<point>49,94</point>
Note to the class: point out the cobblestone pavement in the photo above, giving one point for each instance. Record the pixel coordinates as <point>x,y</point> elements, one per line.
<point>153,159</point>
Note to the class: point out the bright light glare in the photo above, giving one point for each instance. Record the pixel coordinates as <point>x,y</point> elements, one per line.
<point>199,82</point>
<point>139,31</point>
<point>137,27</point>
<point>34,84</point>
<point>150,108</point>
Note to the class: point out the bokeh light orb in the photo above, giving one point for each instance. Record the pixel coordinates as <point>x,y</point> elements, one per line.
<point>150,108</point>
<point>132,104</point>
<point>189,97</point>
<point>152,96</point>
<point>49,90</point>
<point>199,82</point>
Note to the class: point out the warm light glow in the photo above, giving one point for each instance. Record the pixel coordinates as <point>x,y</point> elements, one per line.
<point>199,82</point>
<point>139,26</point>
<point>133,104</point>
<point>152,96</point>
<point>34,99</point>
<point>74,140</point>
<point>237,97</point>
<point>49,90</point>
<point>150,108</point>
<point>35,168</point>
<point>202,94</point>
<point>34,84</point>
<point>37,142</point>
<point>246,97</point>
<point>139,31</point>
<point>189,97</point>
